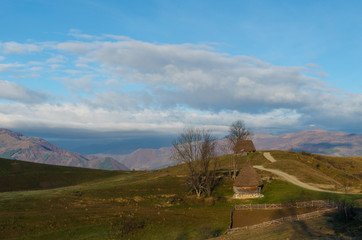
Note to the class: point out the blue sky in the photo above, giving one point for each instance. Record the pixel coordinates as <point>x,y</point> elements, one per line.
<point>158,66</point>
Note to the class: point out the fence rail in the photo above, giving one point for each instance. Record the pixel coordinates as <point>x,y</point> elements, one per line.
<point>315,204</point>
<point>285,219</point>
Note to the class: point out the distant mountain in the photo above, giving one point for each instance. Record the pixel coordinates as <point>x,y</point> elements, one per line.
<point>33,149</point>
<point>314,141</point>
<point>144,159</point>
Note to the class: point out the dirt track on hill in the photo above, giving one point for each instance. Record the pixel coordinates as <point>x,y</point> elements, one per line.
<point>295,181</point>
<point>268,156</point>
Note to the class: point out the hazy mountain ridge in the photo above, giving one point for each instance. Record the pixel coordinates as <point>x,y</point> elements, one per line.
<point>33,149</point>
<point>143,159</point>
<point>17,146</point>
<point>314,141</point>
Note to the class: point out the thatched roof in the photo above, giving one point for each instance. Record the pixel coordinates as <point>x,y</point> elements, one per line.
<point>244,146</point>
<point>248,177</point>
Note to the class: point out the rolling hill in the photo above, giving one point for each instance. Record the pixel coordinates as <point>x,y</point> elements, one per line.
<point>16,175</point>
<point>33,149</point>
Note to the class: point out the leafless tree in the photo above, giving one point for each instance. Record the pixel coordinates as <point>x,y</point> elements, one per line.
<point>237,131</point>
<point>196,148</point>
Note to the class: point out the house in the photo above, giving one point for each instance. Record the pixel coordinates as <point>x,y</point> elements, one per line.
<point>248,183</point>
<point>244,147</point>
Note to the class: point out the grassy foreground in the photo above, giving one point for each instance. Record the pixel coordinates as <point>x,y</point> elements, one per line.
<point>128,205</point>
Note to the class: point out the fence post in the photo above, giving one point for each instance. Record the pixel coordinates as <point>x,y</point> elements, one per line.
<point>231,218</point>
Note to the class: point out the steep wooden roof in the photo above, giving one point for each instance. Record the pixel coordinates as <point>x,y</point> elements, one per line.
<point>244,146</point>
<point>248,177</point>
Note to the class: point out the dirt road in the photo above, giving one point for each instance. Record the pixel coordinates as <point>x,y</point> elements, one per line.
<point>294,180</point>
<point>268,156</point>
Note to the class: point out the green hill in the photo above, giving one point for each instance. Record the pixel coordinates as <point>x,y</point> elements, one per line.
<point>147,205</point>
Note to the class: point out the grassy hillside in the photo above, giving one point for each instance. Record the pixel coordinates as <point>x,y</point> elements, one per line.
<point>20,175</point>
<point>334,173</point>
<point>135,205</point>
<point>331,173</point>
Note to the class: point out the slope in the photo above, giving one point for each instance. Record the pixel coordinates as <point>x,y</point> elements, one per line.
<point>18,175</point>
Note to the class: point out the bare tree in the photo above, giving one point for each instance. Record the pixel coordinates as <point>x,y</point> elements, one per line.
<point>196,148</point>
<point>237,131</point>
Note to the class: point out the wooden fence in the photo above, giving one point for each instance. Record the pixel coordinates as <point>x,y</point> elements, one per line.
<point>285,219</point>
<point>330,205</point>
<point>314,204</point>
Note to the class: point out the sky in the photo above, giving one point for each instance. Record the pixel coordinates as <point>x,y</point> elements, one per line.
<point>78,71</point>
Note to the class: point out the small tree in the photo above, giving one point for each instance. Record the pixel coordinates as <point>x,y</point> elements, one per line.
<point>196,148</point>
<point>237,131</point>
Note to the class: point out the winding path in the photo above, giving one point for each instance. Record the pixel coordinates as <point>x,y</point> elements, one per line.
<point>268,156</point>
<point>295,181</point>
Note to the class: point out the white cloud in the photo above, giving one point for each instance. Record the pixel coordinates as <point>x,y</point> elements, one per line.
<point>75,47</point>
<point>142,85</point>
<point>56,66</point>
<point>10,66</point>
<point>82,84</point>
<point>83,116</point>
<point>30,75</point>
<point>78,34</point>
<point>19,48</point>
<point>15,92</point>
<point>57,59</point>
<point>34,69</point>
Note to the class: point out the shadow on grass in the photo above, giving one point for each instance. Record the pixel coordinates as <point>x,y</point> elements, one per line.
<point>300,228</point>
<point>330,226</point>
<point>347,228</point>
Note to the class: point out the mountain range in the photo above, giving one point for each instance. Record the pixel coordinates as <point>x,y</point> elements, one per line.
<point>17,146</point>
<point>313,141</point>
<point>14,145</point>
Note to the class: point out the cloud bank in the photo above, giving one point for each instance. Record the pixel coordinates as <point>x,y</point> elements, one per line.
<point>115,83</point>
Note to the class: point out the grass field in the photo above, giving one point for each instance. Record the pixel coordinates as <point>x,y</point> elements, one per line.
<point>96,204</point>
